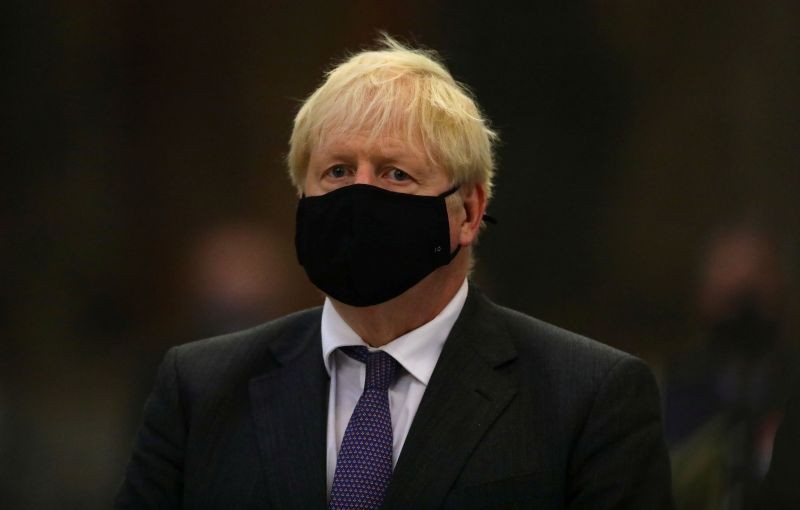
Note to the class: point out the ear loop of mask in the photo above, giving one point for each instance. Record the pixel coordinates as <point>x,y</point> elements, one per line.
<point>487,218</point>
<point>445,195</point>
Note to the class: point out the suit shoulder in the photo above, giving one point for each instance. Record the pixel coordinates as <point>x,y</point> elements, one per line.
<point>569,369</point>
<point>207,356</point>
<point>245,338</point>
<point>559,347</point>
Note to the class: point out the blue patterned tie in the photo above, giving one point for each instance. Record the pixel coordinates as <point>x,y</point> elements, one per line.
<point>364,463</point>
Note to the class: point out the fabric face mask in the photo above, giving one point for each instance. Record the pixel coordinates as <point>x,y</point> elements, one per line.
<point>363,245</point>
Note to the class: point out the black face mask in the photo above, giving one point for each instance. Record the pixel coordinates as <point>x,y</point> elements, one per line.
<point>746,332</point>
<point>363,245</point>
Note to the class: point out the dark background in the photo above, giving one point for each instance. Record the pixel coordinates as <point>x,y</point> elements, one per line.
<point>140,137</point>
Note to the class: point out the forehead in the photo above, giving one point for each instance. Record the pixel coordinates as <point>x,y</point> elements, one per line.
<point>388,146</point>
<point>366,141</point>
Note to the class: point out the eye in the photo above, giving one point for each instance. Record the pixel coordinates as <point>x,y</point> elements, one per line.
<point>337,171</point>
<point>398,175</point>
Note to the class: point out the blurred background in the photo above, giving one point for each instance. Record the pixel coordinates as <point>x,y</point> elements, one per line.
<point>647,196</point>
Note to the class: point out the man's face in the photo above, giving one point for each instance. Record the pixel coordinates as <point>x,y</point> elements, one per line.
<point>387,162</point>
<point>392,163</point>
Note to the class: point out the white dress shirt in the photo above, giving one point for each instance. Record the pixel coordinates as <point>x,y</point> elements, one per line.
<point>417,352</point>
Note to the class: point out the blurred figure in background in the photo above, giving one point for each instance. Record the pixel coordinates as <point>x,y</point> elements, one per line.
<point>237,278</point>
<point>724,399</point>
<point>236,275</point>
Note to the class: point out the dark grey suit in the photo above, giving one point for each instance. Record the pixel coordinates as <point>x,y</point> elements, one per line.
<point>518,414</point>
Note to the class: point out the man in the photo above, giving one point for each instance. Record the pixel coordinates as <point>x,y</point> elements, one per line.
<point>408,388</point>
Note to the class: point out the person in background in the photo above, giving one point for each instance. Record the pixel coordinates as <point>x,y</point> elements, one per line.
<point>236,278</point>
<point>724,398</point>
<point>408,387</point>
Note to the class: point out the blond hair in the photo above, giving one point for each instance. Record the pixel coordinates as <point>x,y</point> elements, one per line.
<point>399,91</point>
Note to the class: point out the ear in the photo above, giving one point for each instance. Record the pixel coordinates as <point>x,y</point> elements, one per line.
<point>474,203</point>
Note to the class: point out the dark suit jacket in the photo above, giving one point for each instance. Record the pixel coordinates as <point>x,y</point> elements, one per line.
<point>518,414</point>
<point>781,490</point>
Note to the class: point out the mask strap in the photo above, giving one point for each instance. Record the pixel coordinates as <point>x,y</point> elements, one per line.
<point>486,217</point>
<point>449,192</point>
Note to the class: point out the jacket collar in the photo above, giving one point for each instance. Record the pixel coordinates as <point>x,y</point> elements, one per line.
<point>467,392</point>
<point>290,405</point>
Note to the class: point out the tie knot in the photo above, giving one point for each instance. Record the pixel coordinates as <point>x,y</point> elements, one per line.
<point>382,368</point>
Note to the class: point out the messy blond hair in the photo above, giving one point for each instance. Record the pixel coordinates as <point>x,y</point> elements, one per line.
<point>396,90</point>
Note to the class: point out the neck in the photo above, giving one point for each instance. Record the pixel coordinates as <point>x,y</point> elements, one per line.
<point>379,324</point>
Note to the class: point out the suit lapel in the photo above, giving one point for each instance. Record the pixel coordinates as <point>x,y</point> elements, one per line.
<point>465,396</point>
<point>289,406</point>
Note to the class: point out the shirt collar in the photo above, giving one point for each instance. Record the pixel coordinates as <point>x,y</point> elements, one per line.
<point>417,351</point>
